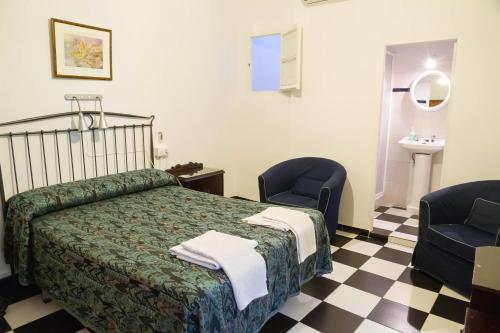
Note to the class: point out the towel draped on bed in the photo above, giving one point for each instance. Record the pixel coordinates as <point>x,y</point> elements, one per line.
<point>245,267</point>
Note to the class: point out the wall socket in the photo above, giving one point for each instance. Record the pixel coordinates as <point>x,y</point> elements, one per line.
<point>161,151</point>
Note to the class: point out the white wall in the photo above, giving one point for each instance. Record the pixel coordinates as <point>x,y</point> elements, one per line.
<point>173,59</point>
<point>337,115</point>
<point>385,117</point>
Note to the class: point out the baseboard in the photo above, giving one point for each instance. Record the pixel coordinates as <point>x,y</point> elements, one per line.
<point>349,228</point>
<point>413,210</point>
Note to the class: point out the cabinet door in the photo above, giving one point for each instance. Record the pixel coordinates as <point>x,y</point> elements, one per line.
<point>291,59</point>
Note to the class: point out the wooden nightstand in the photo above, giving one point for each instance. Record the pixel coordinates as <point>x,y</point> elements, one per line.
<point>202,179</point>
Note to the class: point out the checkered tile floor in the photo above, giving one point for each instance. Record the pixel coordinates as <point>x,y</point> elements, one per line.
<point>372,289</point>
<point>396,223</point>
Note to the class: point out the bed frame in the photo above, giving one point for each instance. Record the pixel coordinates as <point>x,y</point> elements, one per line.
<point>130,133</point>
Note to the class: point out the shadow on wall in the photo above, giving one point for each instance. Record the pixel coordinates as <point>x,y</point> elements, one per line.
<point>347,204</point>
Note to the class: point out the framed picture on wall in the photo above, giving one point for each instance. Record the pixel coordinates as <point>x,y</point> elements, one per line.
<point>80,51</point>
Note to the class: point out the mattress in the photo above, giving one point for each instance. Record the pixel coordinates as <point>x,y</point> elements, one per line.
<point>100,248</point>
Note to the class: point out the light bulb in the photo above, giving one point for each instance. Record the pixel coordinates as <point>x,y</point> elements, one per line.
<point>430,63</point>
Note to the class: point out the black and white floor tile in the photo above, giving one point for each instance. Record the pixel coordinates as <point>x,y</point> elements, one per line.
<point>397,224</point>
<point>372,289</point>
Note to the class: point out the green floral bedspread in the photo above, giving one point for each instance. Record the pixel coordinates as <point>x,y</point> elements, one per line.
<point>100,247</point>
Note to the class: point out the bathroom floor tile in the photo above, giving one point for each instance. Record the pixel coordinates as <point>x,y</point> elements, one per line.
<point>380,232</point>
<point>340,272</point>
<point>449,292</point>
<point>368,326</point>
<point>340,240</point>
<point>436,324</point>
<point>301,328</point>
<point>279,323</point>
<point>392,218</point>
<point>385,225</point>
<point>450,308</point>
<point>59,322</point>
<point>382,209</point>
<point>369,282</point>
<point>411,223</point>
<point>384,268</point>
<point>350,258</point>
<point>399,257</point>
<point>28,310</point>
<point>299,306</point>
<point>331,319</point>
<point>414,297</point>
<point>319,287</point>
<point>398,316</point>
<point>353,300</point>
<point>362,247</point>
<point>407,230</point>
<point>420,279</point>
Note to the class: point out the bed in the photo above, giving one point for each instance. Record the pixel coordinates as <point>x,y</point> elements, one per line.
<point>91,222</point>
<point>100,248</point>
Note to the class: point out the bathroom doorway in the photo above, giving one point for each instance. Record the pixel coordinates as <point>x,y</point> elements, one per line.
<point>416,92</point>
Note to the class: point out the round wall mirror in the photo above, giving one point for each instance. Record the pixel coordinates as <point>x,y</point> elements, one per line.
<point>431,91</point>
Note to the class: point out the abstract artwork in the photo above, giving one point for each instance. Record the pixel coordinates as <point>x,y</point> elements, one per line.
<point>81,51</point>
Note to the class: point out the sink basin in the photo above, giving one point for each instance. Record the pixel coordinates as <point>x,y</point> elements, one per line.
<point>422,145</point>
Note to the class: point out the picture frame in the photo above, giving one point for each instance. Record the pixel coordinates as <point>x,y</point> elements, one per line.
<point>81,51</point>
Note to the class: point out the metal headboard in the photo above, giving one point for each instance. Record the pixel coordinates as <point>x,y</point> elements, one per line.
<point>110,151</point>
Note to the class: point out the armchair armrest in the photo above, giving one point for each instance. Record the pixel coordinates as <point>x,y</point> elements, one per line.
<point>332,189</point>
<point>452,205</point>
<point>329,198</point>
<point>278,178</point>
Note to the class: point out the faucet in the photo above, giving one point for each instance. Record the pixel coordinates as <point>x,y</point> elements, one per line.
<point>433,138</point>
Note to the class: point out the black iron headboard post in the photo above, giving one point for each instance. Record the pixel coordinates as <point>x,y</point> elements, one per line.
<point>2,193</point>
<point>151,143</point>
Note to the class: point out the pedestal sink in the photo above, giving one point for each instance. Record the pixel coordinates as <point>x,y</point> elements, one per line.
<point>422,150</point>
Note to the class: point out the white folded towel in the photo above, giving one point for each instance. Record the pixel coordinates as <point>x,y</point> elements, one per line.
<point>298,222</point>
<point>194,258</point>
<point>244,266</point>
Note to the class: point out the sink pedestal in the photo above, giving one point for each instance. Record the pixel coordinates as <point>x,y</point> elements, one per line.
<point>421,181</point>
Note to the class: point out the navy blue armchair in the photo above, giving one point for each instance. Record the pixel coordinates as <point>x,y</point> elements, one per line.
<point>310,182</point>
<point>447,243</point>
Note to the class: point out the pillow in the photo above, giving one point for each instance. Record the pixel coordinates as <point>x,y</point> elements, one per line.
<point>307,187</point>
<point>485,216</point>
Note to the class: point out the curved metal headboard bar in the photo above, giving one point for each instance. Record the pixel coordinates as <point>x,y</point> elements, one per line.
<point>68,114</point>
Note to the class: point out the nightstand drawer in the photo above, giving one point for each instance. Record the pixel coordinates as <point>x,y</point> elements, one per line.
<point>213,184</point>
<point>203,179</point>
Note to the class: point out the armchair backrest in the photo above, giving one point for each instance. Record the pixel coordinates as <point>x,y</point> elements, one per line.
<point>316,168</point>
<point>304,174</point>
